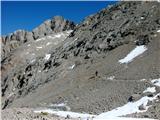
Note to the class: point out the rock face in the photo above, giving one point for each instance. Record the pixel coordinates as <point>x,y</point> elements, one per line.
<point>80,62</point>
<point>14,40</point>
<point>108,29</point>
<point>18,38</point>
<point>57,24</point>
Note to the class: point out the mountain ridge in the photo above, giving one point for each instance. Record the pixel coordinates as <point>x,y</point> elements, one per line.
<point>12,41</point>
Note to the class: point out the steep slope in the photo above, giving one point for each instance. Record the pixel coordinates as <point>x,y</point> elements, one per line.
<point>26,56</point>
<point>130,23</point>
<point>84,70</point>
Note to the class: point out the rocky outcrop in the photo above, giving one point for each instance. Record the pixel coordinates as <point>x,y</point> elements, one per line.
<point>19,37</point>
<point>120,24</point>
<point>14,40</point>
<point>55,25</point>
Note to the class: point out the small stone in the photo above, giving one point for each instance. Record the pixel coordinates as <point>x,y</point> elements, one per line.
<point>158,96</point>
<point>142,40</point>
<point>146,116</point>
<point>68,117</point>
<point>141,107</point>
<point>86,57</point>
<point>150,95</point>
<point>18,112</point>
<point>149,103</point>
<point>134,97</point>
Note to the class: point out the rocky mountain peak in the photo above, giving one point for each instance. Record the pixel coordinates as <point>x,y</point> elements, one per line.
<point>57,18</point>
<point>56,24</point>
<point>12,41</point>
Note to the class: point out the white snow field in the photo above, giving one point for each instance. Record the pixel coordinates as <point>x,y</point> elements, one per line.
<point>124,118</point>
<point>65,113</point>
<point>85,116</point>
<point>115,114</point>
<point>150,89</point>
<point>57,35</point>
<point>129,108</point>
<point>133,54</point>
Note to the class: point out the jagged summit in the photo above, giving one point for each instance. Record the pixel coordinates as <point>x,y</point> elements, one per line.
<point>54,25</point>
<point>19,37</point>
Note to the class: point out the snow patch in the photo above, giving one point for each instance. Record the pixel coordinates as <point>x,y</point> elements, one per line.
<point>111,78</point>
<point>40,47</point>
<point>59,105</point>
<point>48,43</point>
<point>29,45</point>
<point>143,80</point>
<point>32,61</point>
<point>150,89</point>
<point>40,39</point>
<point>133,54</point>
<point>58,35</point>
<point>66,113</point>
<point>47,56</point>
<point>129,108</point>
<point>158,30</point>
<point>156,82</point>
<point>50,37</point>
<point>124,118</point>
<point>71,67</point>
<point>69,31</point>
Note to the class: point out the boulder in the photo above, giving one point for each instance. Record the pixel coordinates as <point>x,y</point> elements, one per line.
<point>142,107</point>
<point>134,97</point>
<point>29,36</point>
<point>59,24</point>
<point>142,40</point>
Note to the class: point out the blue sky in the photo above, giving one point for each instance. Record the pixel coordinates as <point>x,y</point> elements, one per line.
<point>28,14</point>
